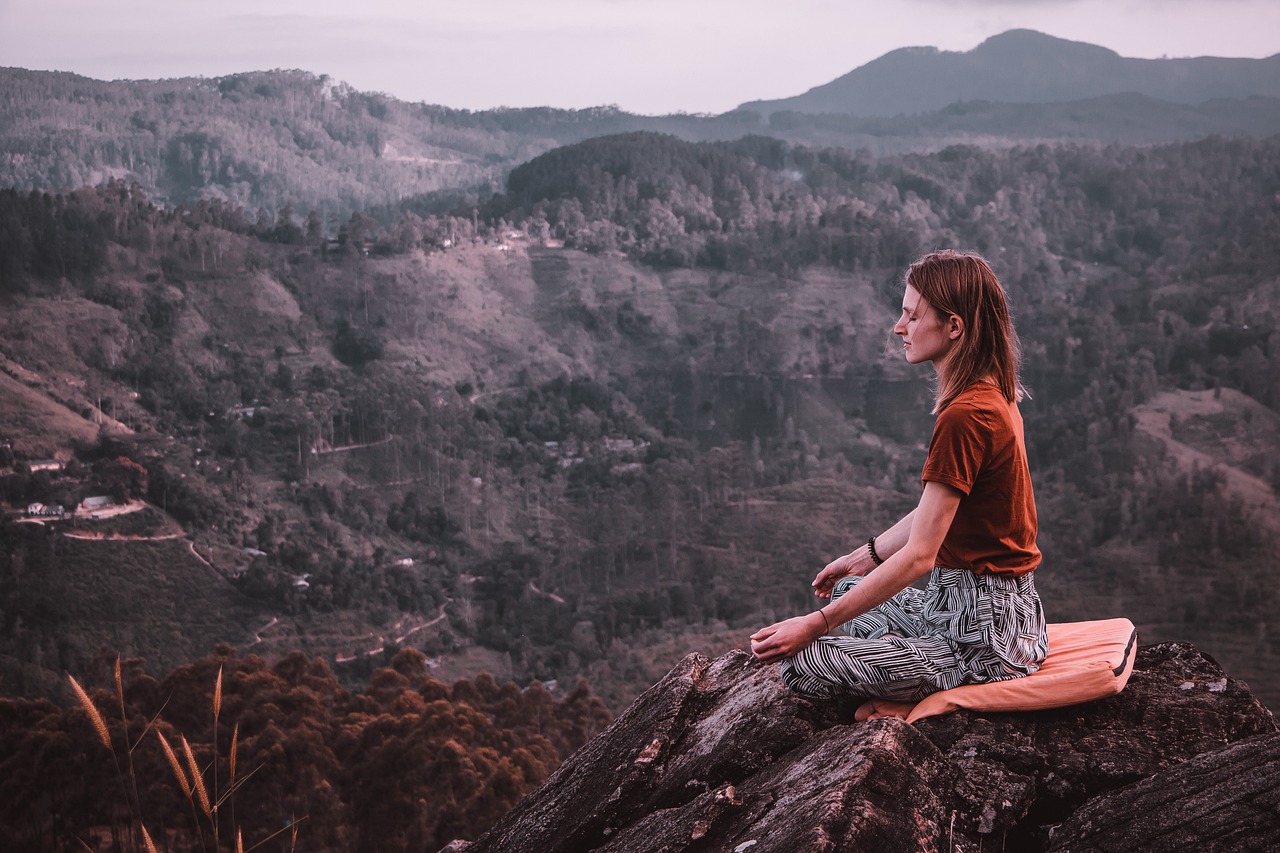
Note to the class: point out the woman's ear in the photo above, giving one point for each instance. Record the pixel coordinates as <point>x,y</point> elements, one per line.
<point>954,326</point>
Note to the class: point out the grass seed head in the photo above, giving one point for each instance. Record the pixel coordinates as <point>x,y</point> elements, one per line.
<point>175,766</point>
<point>197,780</point>
<point>99,724</point>
<point>231,761</point>
<point>146,837</point>
<point>217,696</point>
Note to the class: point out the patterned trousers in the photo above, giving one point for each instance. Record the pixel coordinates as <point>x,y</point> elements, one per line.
<point>965,628</point>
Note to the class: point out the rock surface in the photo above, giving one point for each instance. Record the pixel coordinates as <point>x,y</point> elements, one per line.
<point>720,756</point>
<point>1225,800</point>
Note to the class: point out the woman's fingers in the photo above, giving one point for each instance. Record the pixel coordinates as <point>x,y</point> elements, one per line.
<point>765,652</point>
<point>763,643</point>
<point>827,578</point>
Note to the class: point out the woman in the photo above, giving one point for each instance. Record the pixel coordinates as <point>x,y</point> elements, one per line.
<point>973,532</point>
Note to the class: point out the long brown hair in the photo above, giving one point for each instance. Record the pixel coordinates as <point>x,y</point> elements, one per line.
<point>963,284</point>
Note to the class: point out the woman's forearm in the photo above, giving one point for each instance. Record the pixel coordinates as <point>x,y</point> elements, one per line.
<point>897,573</point>
<point>910,549</point>
<point>895,538</point>
<point>860,562</point>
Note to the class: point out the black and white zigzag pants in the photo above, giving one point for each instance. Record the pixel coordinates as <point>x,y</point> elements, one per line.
<point>965,628</point>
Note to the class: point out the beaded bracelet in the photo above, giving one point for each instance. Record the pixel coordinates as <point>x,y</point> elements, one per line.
<point>871,546</point>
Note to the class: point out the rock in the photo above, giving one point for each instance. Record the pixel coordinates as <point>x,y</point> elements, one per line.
<point>1226,800</point>
<point>720,756</point>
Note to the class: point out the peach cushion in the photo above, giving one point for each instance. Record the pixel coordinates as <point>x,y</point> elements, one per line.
<point>1087,661</point>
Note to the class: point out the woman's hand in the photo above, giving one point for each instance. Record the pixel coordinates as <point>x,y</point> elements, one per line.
<point>784,639</point>
<point>838,568</point>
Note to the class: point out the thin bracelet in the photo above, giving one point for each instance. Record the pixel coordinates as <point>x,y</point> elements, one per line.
<point>871,546</point>
<point>825,624</point>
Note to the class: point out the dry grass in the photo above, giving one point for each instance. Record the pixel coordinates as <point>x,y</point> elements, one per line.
<point>197,779</point>
<point>178,773</point>
<point>205,803</point>
<point>146,837</point>
<point>95,716</point>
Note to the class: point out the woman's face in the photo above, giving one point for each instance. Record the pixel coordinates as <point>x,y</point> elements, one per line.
<point>926,335</point>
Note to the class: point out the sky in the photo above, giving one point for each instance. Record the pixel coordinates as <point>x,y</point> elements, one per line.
<point>645,56</point>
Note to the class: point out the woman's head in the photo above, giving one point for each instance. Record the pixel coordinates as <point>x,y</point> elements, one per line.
<point>972,314</point>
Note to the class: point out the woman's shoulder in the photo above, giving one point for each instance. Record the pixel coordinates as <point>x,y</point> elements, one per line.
<point>979,397</point>
<point>981,403</point>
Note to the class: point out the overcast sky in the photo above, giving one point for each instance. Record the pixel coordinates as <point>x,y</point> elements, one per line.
<point>646,56</point>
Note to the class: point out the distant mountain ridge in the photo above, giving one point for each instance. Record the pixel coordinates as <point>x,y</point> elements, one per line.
<point>270,140</point>
<point>1025,66</point>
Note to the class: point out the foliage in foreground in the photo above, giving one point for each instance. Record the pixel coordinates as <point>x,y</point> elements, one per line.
<point>409,763</point>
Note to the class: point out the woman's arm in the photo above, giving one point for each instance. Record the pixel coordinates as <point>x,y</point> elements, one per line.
<point>929,524</point>
<point>858,561</point>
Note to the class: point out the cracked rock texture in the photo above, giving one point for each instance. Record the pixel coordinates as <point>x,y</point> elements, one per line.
<point>720,756</point>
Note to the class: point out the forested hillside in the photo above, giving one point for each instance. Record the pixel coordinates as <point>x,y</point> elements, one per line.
<point>670,423</point>
<point>264,141</point>
<point>626,408</point>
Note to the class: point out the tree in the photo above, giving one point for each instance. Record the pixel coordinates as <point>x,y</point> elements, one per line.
<point>122,478</point>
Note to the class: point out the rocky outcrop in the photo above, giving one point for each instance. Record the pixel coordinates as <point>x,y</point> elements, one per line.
<point>1224,800</point>
<point>720,756</point>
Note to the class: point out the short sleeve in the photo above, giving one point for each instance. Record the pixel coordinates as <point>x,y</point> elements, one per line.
<point>959,447</point>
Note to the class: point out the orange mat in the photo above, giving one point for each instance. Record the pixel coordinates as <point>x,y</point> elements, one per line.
<point>1087,661</point>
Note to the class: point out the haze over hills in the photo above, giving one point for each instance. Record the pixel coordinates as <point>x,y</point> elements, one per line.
<point>1024,66</point>
<point>292,138</point>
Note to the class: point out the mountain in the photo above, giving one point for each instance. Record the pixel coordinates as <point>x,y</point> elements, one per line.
<point>273,140</point>
<point>1024,66</point>
<point>279,138</point>
<point>1127,118</point>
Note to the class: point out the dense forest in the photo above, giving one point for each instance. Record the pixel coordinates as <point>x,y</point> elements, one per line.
<point>622,410</point>
<point>277,138</point>
<point>406,763</point>
<point>267,140</point>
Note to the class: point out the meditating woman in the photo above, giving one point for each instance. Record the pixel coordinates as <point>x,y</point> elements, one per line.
<point>973,532</point>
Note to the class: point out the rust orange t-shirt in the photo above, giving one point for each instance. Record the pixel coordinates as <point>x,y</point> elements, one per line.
<point>978,448</point>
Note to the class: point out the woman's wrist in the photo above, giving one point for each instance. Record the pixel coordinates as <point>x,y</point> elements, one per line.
<point>876,559</point>
<point>859,560</point>
<point>826,625</point>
